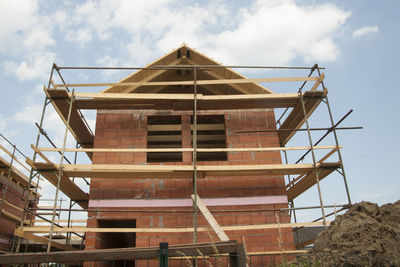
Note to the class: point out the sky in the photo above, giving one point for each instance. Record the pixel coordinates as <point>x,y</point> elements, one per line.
<point>356,41</point>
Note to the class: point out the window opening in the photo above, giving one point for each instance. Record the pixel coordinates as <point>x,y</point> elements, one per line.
<point>164,132</point>
<point>210,134</point>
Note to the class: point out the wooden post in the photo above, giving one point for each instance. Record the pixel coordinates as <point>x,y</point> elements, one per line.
<point>210,219</point>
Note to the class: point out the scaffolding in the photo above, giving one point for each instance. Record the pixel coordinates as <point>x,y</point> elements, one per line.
<point>69,104</point>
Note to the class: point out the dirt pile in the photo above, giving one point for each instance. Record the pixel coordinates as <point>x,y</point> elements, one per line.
<point>366,232</point>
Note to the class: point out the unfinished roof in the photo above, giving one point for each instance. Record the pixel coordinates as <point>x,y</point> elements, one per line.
<point>180,57</point>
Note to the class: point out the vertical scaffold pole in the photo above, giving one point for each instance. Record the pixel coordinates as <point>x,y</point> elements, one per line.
<point>34,158</point>
<point>5,188</point>
<point>337,142</point>
<point>70,201</point>
<point>60,172</point>
<point>313,157</point>
<point>195,155</point>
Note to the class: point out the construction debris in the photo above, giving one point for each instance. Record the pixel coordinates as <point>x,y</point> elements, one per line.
<point>365,234</point>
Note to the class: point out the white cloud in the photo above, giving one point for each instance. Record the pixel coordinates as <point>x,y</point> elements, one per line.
<point>26,36</point>
<point>82,36</point>
<point>275,33</point>
<point>265,32</point>
<point>35,65</point>
<point>365,31</point>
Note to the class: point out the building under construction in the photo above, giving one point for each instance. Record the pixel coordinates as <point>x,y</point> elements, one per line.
<point>185,151</point>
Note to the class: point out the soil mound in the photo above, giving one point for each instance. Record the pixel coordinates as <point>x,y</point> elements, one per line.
<point>365,234</point>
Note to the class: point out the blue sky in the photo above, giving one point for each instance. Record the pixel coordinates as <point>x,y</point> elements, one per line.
<point>356,40</point>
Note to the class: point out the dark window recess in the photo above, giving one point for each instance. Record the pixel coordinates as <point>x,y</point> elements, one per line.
<point>210,134</point>
<point>164,132</point>
<point>118,240</point>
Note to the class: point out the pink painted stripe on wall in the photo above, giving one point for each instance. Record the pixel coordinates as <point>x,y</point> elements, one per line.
<point>142,203</point>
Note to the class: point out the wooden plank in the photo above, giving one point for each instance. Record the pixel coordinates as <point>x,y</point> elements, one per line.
<point>146,75</point>
<point>196,249</point>
<point>278,252</point>
<point>180,171</point>
<point>183,101</point>
<point>198,58</point>
<point>318,82</point>
<point>60,221</point>
<point>308,181</point>
<point>210,219</point>
<point>40,239</point>
<point>150,75</point>
<point>175,127</point>
<point>295,180</point>
<point>296,117</point>
<point>147,96</point>
<point>68,187</point>
<point>11,205</point>
<point>133,150</point>
<point>40,154</point>
<point>81,229</point>
<point>77,126</point>
<point>198,82</point>
<point>15,158</point>
<point>15,173</point>
<point>200,137</point>
<point>17,219</point>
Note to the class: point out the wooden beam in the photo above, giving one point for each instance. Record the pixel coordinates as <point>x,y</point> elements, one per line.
<point>176,127</point>
<point>15,174</point>
<point>198,58</point>
<point>278,252</point>
<point>134,150</point>
<point>68,187</point>
<point>60,221</point>
<point>11,205</point>
<point>15,158</point>
<point>295,180</point>
<point>80,229</point>
<point>153,74</point>
<point>183,101</point>
<point>149,74</point>
<point>199,82</point>
<point>210,219</point>
<point>77,126</point>
<point>197,249</point>
<point>40,239</point>
<point>173,171</point>
<point>307,182</point>
<point>200,137</point>
<point>17,219</point>
<point>296,118</point>
<point>318,82</point>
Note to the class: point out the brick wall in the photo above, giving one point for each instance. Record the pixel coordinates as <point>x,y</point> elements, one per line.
<point>128,129</point>
<point>14,195</point>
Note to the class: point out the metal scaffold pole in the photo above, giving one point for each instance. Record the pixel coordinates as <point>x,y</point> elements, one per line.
<point>31,175</point>
<point>316,172</point>
<point>337,142</point>
<point>60,172</point>
<point>71,203</point>
<point>195,156</point>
